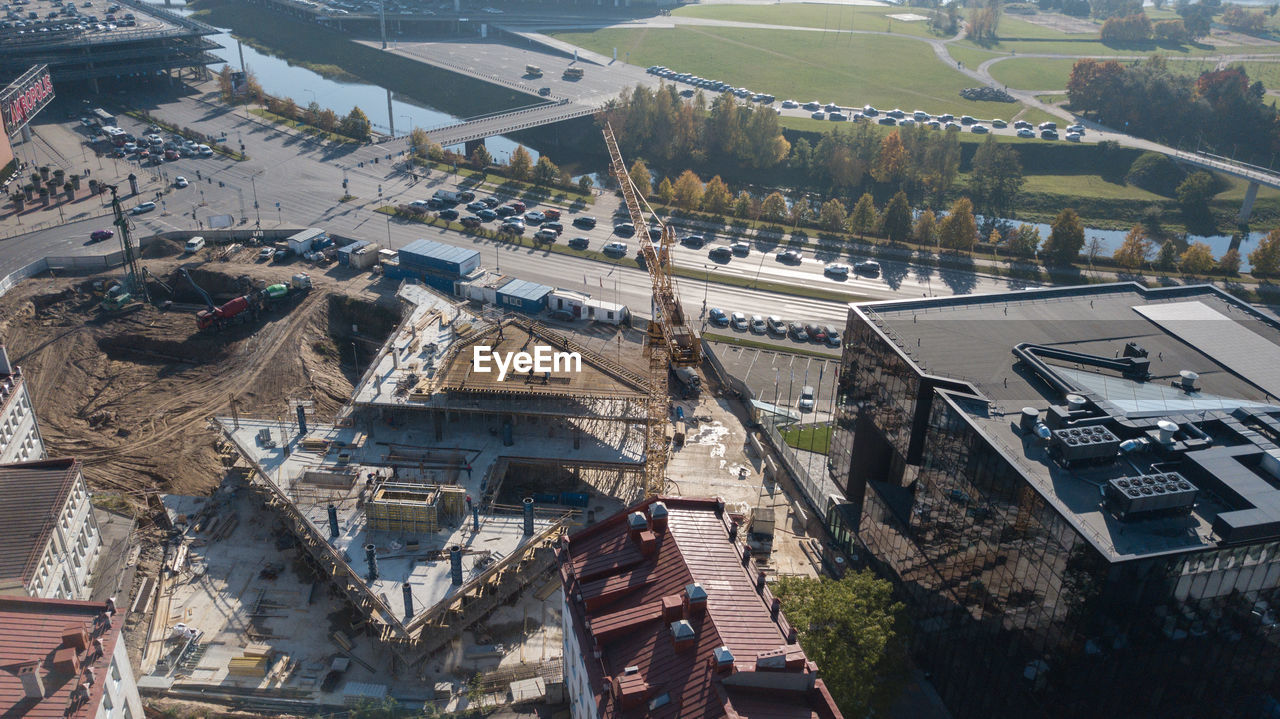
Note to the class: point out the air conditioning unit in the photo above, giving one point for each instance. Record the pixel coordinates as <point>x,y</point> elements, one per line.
<point>1167,492</point>
<point>1076,444</point>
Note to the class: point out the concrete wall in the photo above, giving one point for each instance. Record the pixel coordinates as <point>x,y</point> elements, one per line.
<point>582,701</point>
<point>120,699</point>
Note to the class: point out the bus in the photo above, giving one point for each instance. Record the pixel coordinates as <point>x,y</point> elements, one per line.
<point>117,136</point>
<point>104,118</point>
<point>573,73</point>
<point>532,71</point>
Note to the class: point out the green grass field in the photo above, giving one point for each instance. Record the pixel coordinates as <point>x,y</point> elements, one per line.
<point>1094,48</point>
<point>972,56</point>
<point>1267,72</point>
<point>1039,73</point>
<point>847,69</point>
<point>1012,26</point>
<point>831,17</point>
<point>811,438</point>
<point>1087,186</point>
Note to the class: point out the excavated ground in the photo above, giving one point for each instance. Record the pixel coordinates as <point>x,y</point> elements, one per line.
<point>129,394</point>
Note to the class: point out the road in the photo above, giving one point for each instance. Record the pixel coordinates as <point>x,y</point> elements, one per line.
<point>305,178</point>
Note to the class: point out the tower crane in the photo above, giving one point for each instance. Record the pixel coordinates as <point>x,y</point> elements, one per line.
<point>670,342</point>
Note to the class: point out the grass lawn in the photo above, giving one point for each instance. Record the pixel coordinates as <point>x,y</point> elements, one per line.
<point>1087,186</point>
<point>1267,72</point>
<point>971,56</point>
<point>831,17</point>
<point>1094,48</point>
<point>845,69</point>
<point>1034,73</point>
<point>811,125</point>
<point>811,438</point>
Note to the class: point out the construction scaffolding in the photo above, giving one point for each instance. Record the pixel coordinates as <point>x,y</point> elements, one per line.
<point>413,508</point>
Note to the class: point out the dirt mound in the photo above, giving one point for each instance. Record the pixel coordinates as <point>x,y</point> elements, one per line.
<point>130,394</point>
<point>160,248</point>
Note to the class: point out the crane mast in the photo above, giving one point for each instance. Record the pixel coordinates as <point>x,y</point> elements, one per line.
<point>670,341</point>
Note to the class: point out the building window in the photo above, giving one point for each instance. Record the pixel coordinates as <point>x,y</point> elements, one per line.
<point>126,713</point>
<point>115,671</point>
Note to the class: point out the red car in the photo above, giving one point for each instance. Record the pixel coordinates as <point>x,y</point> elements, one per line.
<point>100,235</point>
<point>551,214</point>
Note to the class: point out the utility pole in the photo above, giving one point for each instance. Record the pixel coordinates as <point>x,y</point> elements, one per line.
<point>256,211</point>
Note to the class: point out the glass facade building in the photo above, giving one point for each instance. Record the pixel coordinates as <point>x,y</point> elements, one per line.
<point>1028,601</point>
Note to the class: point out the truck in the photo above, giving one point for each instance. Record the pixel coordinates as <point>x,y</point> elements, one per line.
<point>532,71</point>
<point>246,306</point>
<point>687,382</point>
<point>573,73</point>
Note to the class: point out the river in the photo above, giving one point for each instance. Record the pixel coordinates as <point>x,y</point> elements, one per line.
<point>282,79</point>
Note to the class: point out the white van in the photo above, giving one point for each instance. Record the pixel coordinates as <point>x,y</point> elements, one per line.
<point>195,244</point>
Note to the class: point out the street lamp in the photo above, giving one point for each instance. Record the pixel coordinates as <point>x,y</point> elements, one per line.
<point>706,286</point>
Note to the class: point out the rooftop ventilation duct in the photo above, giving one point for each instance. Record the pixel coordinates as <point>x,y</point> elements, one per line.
<point>636,523</point>
<point>658,516</point>
<point>682,635</point>
<point>1028,418</point>
<point>1167,430</point>
<point>1187,380</point>
<point>1076,403</point>
<point>695,599</point>
<point>723,659</point>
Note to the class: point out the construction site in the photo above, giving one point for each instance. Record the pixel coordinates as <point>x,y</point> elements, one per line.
<point>341,504</point>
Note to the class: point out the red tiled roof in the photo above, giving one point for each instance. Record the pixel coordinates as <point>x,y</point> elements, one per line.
<point>32,629</point>
<point>617,602</point>
<point>32,495</point>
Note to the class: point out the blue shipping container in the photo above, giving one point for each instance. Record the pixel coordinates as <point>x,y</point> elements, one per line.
<point>524,296</point>
<point>439,257</point>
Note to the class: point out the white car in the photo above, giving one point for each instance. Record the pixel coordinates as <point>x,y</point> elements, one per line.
<point>837,269</point>
<point>758,326</point>
<point>615,247</point>
<point>806,399</point>
<point>1073,137</point>
<point>738,321</point>
<point>143,208</point>
<point>180,181</point>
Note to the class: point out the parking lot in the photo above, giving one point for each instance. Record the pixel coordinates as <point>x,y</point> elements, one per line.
<point>777,377</point>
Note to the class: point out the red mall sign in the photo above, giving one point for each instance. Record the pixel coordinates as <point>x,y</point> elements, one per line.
<point>22,100</point>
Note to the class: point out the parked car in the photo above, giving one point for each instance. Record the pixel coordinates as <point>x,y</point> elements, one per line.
<point>776,325</point>
<point>833,336</point>
<point>580,243</point>
<point>511,228</point>
<point>505,211</point>
<point>449,214</point>
<point>534,217</point>
<point>476,206</point>
<point>266,253</point>
<point>615,248</point>
<point>1073,137</point>
<point>738,321</point>
<point>718,317</point>
<point>1026,132</point>
<point>758,326</point>
<point>1048,134</point>
<point>555,227</point>
<point>624,229</point>
<point>806,399</point>
<point>471,221</point>
<point>100,235</point>
<point>491,202</point>
<point>551,214</point>
<point>816,333</point>
<point>999,124</point>
<point>797,332</point>
<point>585,222</point>
<point>979,129</point>
<point>545,235</point>
<point>180,181</point>
<point>486,215</point>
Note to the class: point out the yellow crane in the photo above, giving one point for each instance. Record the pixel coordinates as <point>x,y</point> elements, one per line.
<point>671,342</point>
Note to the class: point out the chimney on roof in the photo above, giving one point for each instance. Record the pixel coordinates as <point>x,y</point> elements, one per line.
<point>658,516</point>
<point>75,637</point>
<point>672,607</point>
<point>648,543</point>
<point>5,367</point>
<point>636,523</point>
<point>772,660</point>
<point>67,661</point>
<point>682,635</point>
<point>630,689</point>
<point>32,684</point>
<point>695,599</point>
<point>723,659</point>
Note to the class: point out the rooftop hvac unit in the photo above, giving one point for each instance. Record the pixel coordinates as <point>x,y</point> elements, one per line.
<point>1167,492</point>
<point>1075,444</point>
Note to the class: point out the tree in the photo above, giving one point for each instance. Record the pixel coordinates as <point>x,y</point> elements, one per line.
<point>1197,19</point>
<point>1134,250</point>
<point>640,178</point>
<point>1170,31</point>
<point>545,172</point>
<point>716,197</point>
<point>852,628</point>
<point>1155,172</point>
<point>744,205</point>
<point>1103,9</point>
<point>897,218</point>
<point>926,229</point>
<point>774,207</point>
<point>1167,258</point>
<point>1126,29</point>
<point>1265,258</point>
<point>863,216</point>
<point>892,162</point>
<point>1024,242</point>
<point>688,191</point>
<point>831,215</point>
<point>1194,194</point>
<point>480,157</point>
<point>959,230</point>
<point>418,141</point>
<point>1066,237</point>
<point>996,179</point>
<point>666,193</point>
<point>1229,263</point>
<point>289,108</point>
<point>1093,248</point>
<point>327,120</point>
<point>585,183</point>
<point>355,124</point>
<point>801,211</point>
<point>1198,259</point>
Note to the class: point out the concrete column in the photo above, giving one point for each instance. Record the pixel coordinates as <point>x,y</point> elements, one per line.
<point>1246,209</point>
